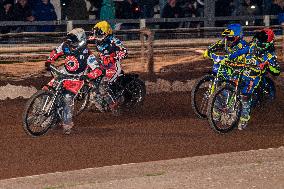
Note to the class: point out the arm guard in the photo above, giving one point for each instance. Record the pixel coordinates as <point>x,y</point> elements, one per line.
<point>121,51</point>
<point>273,66</point>
<point>239,50</point>
<point>216,46</point>
<point>55,54</point>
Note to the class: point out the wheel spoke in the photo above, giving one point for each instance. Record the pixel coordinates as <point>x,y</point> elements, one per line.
<point>36,121</point>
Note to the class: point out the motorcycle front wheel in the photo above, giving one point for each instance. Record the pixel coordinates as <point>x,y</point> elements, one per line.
<point>36,120</point>
<point>224,109</point>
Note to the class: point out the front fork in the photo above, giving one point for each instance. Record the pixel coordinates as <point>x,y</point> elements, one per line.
<point>50,105</point>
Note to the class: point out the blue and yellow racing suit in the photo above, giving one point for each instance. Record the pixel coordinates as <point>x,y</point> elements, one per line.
<point>234,54</point>
<point>261,63</point>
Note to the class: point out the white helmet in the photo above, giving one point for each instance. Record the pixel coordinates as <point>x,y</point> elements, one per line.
<point>77,37</point>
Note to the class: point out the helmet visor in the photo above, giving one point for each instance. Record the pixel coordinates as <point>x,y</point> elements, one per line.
<point>261,37</point>
<point>72,40</point>
<point>98,33</point>
<point>231,38</point>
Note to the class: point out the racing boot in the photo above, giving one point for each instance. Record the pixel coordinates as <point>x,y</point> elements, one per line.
<point>245,113</point>
<point>67,128</point>
<point>243,123</point>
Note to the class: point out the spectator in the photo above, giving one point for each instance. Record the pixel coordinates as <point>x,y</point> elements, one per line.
<point>147,7</point>
<point>23,11</point>
<point>44,11</point>
<point>193,8</point>
<point>128,9</point>
<point>95,8</point>
<point>199,8</point>
<point>277,8</point>
<point>6,14</point>
<point>172,10</point>
<point>250,7</point>
<point>64,8</point>
<point>77,10</point>
<point>224,8</point>
<point>33,3</point>
<point>107,10</point>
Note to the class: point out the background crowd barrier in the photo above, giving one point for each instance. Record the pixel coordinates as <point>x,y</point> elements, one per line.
<point>150,49</point>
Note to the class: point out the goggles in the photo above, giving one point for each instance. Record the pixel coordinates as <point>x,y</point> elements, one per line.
<point>261,37</point>
<point>72,39</point>
<point>230,38</point>
<point>98,33</point>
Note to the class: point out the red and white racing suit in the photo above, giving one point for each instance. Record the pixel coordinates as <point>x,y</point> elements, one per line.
<point>79,61</point>
<point>111,52</point>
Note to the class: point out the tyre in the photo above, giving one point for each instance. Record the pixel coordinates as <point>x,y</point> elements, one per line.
<point>268,89</point>
<point>36,122</point>
<point>200,94</point>
<point>224,109</point>
<point>264,94</point>
<point>134,95</point>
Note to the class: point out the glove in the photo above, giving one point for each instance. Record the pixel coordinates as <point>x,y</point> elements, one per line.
<point>206,54</point>
<point>47,65</point>
<point>107,58</point>
<point>83,77</point>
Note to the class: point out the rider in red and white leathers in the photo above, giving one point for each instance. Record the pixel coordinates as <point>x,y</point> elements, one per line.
<point>78,60</point>
<point>111,52</point>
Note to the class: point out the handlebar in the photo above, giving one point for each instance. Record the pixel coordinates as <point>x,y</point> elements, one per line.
<point>240,65</point>
<point>57,73</point>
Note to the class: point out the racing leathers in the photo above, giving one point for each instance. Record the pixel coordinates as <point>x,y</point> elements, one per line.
<point>260,62</point>
<point>111,52</point>
<point>77,61</point>
<point>234,53</point>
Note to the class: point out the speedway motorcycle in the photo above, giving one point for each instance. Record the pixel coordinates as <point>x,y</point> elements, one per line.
<point>44,109</point>
<point>226,99</point>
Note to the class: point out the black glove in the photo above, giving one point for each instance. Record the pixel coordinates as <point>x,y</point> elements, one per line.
<point>83,77</point>
<point>47,66</point>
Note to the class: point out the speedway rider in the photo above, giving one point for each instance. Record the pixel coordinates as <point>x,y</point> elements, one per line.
<point>261,55</point>
<point>235,48</point>
<point>78,59</point>
<point>111,52</point>
<point>232,44</point>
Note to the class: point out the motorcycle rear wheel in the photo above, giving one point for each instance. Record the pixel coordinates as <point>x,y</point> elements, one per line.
<point>81,103</point>
<point>134,95</point>
<point>200,94</point>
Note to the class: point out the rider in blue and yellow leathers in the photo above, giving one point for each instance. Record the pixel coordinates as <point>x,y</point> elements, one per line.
<point>261,55</point>
<point>234,47</point>
<point>232,44</point>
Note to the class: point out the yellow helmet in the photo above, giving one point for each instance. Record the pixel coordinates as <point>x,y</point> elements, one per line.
<point>101,30</point>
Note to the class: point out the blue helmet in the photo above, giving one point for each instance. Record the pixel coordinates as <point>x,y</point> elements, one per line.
<point>233,30</point>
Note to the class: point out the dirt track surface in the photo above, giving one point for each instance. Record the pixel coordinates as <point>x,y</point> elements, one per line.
<point>166,128</point>
<point>245,169</point>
